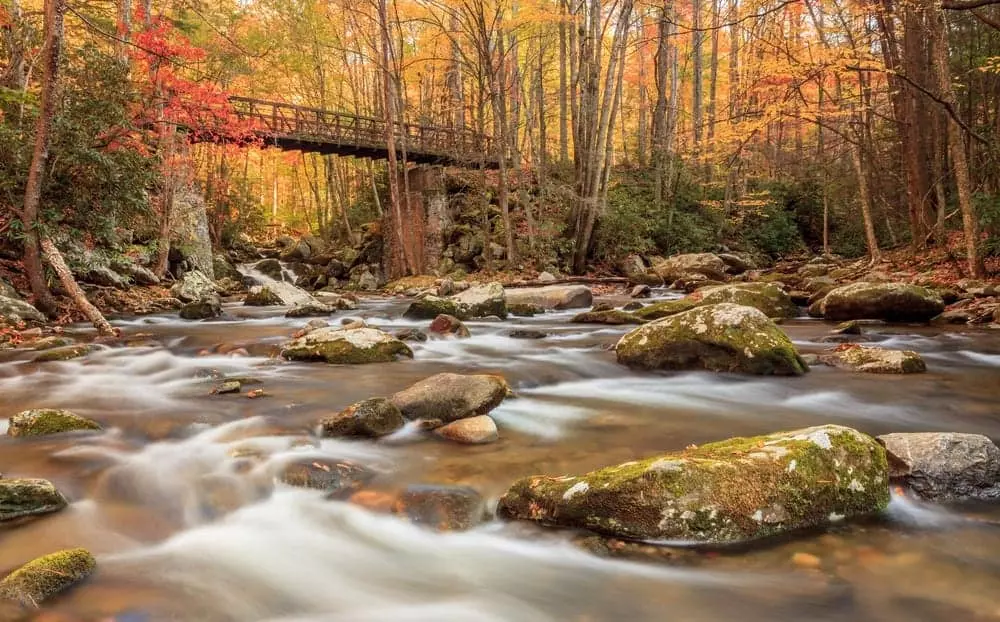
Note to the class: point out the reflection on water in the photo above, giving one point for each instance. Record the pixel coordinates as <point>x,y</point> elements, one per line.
<point>181,500</point>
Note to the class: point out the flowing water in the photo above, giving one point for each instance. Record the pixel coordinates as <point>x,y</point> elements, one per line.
<point>183,530</point>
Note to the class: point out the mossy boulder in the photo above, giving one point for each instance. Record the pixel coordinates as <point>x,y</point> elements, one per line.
<point>659,310</point>
<point>767,297</point>
<point>737,490</point>
<point>721,337</point>
<point>370,418</point>
<point>310,309</point>
<point>43,421</point>
<point>876,360</point>
<point>346,346</point>
<point>13,311</point>
<point>22,498</point>
<point>613,317</point>
<point>224,268</point>
<point>269,267</point>
<point>450,397</point>
<point>193,286</point>
<point>481,301</point>
<point>204,309</point>
<point>893,302</point>
<point>38,580</point>
<point>65,353</point>
<point>429,307</point>
<point>680,266</point>
<point>260,296</point>
<point>50,342</point>
<point>552,296</point>
<point>525,309</point>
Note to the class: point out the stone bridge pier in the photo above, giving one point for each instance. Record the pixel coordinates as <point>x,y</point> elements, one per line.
<point>425,218</point>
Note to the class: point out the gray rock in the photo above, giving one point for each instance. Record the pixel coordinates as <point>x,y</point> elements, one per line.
<point>261,296</point>
<point>270,268</point>
<point>552,296</point>
<point>640,291</point>
<point>346,346</point>
<point>893,302</point>
<point>946,466</point>
<point>7,291</point>
<point>13,311</point>
<point>313,309</point>
<point>206,308</point>
<point>104,276</point>
<point>370,418</point>
<point>225,268</point>
<point>681,266</point>
<point>21,498</point>
<point>546,277</point>
<point>192,287</point>
<point>450,397</point>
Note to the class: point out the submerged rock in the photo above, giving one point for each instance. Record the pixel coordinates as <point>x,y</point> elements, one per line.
<point>525,309</point>
<point>193,286</point>
<point>65,353</point>
<point>552,296</point>
<point>411,334</point>
<point>736,490</point>
<point>613,317</point>
<point>471,431</point>
<point>21,498</point>
<point>722,337</point>
<point>346,346</point>
<point>310,309</point>
<point>445,508</point>
<point>338,478</point>
<point>680,266</point>
<point>767,297</point>
<point>527,333</point>
<point>876,360</point>
<point>945,466</point>
<point>35,582</point>
<point>449,326</point>
<point>370,418</point>
<point>450,397</point>
<point>893,302</point>
<point>44,421</point>
<point>659,310</point>
<point>640,291</point>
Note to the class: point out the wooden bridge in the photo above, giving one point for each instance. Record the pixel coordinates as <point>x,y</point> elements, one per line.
<point>298,128</point>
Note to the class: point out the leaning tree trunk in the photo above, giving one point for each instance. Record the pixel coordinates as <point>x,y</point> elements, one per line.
<point>54,12</point>
<point>55,259</point>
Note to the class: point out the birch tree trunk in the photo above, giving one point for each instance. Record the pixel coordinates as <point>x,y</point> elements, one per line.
<point>696,97</point>
<point>713,80</point>
<point>55,259</point>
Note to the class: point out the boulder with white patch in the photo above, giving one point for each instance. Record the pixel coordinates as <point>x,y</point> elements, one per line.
<point>346,346</point>
<point>737,490</point>
<point>720,337</point>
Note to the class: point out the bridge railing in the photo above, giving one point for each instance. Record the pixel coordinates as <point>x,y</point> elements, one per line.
<point>315,124</point>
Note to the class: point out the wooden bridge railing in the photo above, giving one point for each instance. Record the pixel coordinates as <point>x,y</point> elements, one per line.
<point>343,132</point>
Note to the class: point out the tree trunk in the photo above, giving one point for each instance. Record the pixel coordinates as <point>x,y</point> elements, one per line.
<point>563,87</point>
<point>713,80</point>
<point>642,133</point>
<point>864,197</point>
<point>55,259</point>
<point>697,37</point>
<point>13,36</point>
<point>399,263</point>
<point>124,30</point>
<point>54,13</point>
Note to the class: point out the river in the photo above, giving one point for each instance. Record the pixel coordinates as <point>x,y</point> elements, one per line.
<point>184,529</point>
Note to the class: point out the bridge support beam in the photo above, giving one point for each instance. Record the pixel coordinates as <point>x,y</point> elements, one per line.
<point>425,219</point>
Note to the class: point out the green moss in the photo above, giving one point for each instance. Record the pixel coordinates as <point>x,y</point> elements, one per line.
<point>666,308</point>
<point>65,353</point>
<point>429,307</point>
<point>767,297</point>
<point>730,491</point>
<point>525,309</point>
<point>893,302</point>
<point>335,346</point>
<point>20,498</point>
<point>722,337</point>
<point>882,361</point>
<point>39,579</point>
<point>613,317</point>
<point>262,297</point>
<point>40,422</point>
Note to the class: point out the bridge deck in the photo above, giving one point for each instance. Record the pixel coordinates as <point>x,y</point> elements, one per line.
<point>301,128</point>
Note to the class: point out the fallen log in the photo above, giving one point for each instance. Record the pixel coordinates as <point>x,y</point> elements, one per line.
<point>580,280</point>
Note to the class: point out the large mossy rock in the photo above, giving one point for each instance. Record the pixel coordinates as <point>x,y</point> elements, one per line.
<point>722,337</point>
<point>193,286</point>
<point>613,317</point>
<point>204,309</point>
<point>370,418</point>
<point>893,302</point>
<point>346,346</point>
<point>44,421</point>
<point>14,311</point>
<point>876,360</point>
<point>65,353</point>
<point>429,307</point>
<point>767,297</point>
<point>262,296</point>
<point>21,498</point>
<point>269,267</point>
<point>552,296</point>
<point>659,310</point>
<point>944,466</point>
<point>681,266</point>
<point>731,491</point>
<point>38,580</point>
<point>482,301</point>
<point>450,397</point>
<point>224,268</point>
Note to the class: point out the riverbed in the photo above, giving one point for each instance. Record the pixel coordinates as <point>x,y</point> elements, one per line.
<point>183,530</point>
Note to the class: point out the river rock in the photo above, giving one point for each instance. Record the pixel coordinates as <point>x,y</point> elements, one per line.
<point>310,309</point>
<point>893,302</point>
<point>261,296</point>
<point>470,431</point>
<point>659,310</point>
<point>449,326</point>
<point>482,301</point>
<point>411,334</point>
<point>546,277</point>
<point>21,498</point>
<point>445,508</point>
<point>338,478</point>
<point>737,264</point>
<point>346,346</point>
<point>767,297</point>
<point>525,309</point>
<point>38,580</point>
<point>104,276</point>
<point>370,418</point>
<point>429,307</point>
<point>193,286</point>
<point>450,397</point>
<point>945,466</point>
<point>613,317</point>
<point>721,337</point>
<point>270,268</point>
<point>527,333</point>
<point>66,353</point>
<point>44,421</point>
<point>737,490</point>
<point>641,291</point>
<point>206,308</point>
<point>14,311</point>
<point>225,268</point>
<point>552,296</point>
<point>50,342</point>
<point>876,360</point>
<point>681,266</point>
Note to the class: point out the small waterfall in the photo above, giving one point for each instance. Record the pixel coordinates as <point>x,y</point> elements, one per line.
<point>289,294</point>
